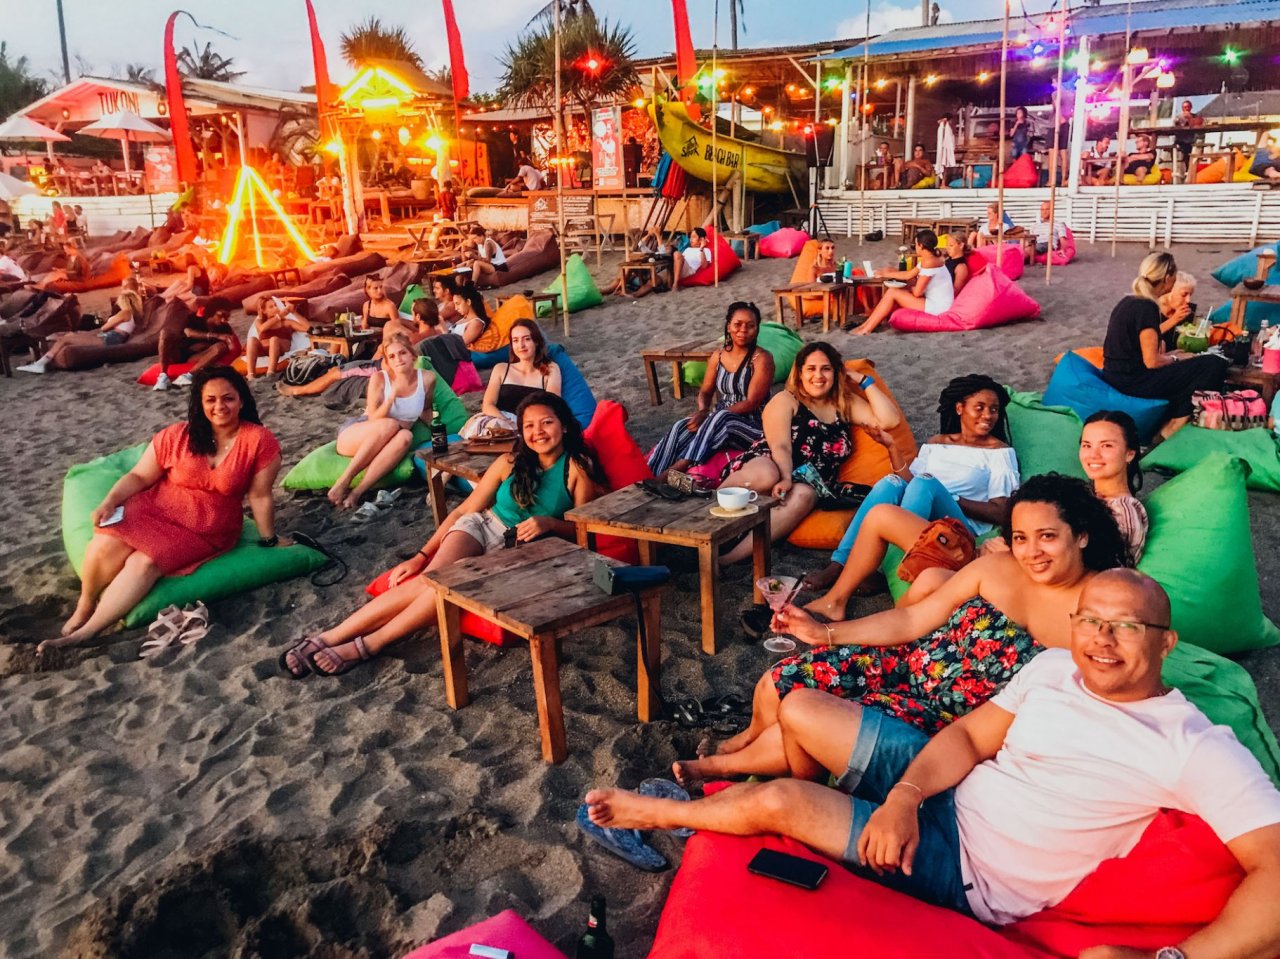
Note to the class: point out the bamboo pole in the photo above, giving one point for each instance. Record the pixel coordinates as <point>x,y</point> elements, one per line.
<point>715,107</point>
<point>1004,77</point>
<point>862,112</point>
<point>564,280</point>
<point>1057,147</point>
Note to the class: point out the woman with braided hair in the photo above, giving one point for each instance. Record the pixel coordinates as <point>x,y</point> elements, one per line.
<point>967,472</point>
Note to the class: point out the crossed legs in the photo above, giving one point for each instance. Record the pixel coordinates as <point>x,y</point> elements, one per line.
<point>375,446</point>
<point>892,300</point>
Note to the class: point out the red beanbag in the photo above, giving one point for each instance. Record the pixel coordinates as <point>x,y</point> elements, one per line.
<point>623,463</point>
<point>1066,251</point>
<point>1011,263</point>
<point>783,244</point>
<point>724,262</point>
<point>988,299</point>
<point>149,376</point>
<point>1022,172</point>
<point>472,625</point>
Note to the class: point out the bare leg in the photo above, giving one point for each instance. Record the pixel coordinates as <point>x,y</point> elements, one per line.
<point>763,756</point>
<point>764,713</point>
<point>274,349</point>
<point>315,387</point>
<point>784,518</point>
<point>1172,426</point>
<point>893,299</point>
<point>926,584</point>
<point>104,557</point>
<point>124,592</point>
<point>207,356</point>
<point>252,350</point>
<point>885,525</point>
<point>383,463</point>
<point>362,442</point>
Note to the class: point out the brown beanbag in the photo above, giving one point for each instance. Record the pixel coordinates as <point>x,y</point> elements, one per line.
<point>84,350</point>
<point>540,253</point>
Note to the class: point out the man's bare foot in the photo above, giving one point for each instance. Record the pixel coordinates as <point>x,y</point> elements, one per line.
<point>734,743</point>
<point>823,579</point>
<point>833,610</point>
<point>688,771</point>
<point>81,616</point>
<point>619,809</point>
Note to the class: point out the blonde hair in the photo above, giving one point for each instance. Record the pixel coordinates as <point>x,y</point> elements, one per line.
<point>1156,268</point>
<point>130,301</point>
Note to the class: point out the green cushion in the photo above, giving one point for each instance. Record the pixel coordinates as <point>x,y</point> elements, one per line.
<point>782,343</point>
<point>1191,444</point>
<point>582,290</point>
<point>412,293</point>
<point>1200,550</point>
<point>245,567</point>
<point>321,468</point>
<point>1046,438</point>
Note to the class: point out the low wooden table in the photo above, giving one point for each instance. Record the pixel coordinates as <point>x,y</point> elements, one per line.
<point>949,224</point>
<point>695,351</point>
<point>646,267</point>
<point>542,592</point>
<point>287,276</point>
<point>909,228</point>
<point>1241,297</point>
<point>532,297</point>
<point>835,302</point>
<point>635,514</point>
<point>1252,377</point>
<point>457,462</point>
<point>340,343</point>
<point>750,244</point>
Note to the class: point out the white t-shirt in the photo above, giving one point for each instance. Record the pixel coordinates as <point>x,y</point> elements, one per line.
<point>940,292</point>
<point>1078,780</point>
<point>9,267</point>
<point>1041,231</point>
<point>532,177</point>
<point>695,258</point>
<point>969,472</point>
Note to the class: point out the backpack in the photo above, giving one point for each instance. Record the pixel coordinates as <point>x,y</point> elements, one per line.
<point>305,367</point>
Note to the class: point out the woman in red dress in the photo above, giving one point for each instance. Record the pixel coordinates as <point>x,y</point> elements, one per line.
<point>182,505</point>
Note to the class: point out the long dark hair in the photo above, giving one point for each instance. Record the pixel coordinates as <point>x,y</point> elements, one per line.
<point>1081,510</point>
<point>199,429</point>
<point>527,471</point>
<point>1131,441</point>
<point>959,390</point>
<point>734,307</point>
<point>541,361</point>
<point>476,299</point>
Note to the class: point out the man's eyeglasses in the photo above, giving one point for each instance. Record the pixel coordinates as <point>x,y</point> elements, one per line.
<point>1121,629</point>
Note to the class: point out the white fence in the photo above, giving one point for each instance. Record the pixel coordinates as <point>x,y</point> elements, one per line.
<point>105,214</point>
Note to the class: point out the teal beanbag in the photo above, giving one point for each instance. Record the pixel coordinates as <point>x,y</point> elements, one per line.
<point>573,386</point>
<point>1244,266</point>
<point>246,566</point>
<point>1046,438</point>
<point>1078,384</point>
<point>582,290</point>
<point>321,468</point>
<point>1192,444</point>
<point>764,229</point>
<point>782,343</point>
<point>412,293</point>
<point>1200,550</point>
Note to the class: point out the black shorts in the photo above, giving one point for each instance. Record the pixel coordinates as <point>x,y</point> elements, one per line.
<point>501,267</point>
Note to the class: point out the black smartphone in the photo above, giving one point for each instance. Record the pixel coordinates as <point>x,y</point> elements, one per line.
<point>785,867</point>
<point>509,538</point>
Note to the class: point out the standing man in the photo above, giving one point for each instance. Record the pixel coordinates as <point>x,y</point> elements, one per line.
<point>1183,142</point>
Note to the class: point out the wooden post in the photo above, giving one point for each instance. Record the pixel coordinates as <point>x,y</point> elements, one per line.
<point>1004,77</point>
<point>863,96</point>
<point>909,134</point>
<point>1057,145</point>
<point>559,116</point>
<point>1080,120</point>
<point>843,169</point>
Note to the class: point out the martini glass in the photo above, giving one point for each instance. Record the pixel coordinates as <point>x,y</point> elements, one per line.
<point>777,592</point>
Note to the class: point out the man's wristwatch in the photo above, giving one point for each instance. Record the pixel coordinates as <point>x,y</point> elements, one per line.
<point>1170,952</point>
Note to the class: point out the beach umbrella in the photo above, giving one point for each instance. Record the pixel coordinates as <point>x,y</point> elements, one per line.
<point>127,127</point>
<point>11,187</point>
<point>24,128</point>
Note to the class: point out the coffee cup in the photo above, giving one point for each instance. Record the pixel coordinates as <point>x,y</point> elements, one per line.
<point>735,498</point>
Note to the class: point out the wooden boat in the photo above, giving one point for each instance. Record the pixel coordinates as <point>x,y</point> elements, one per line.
<point>764,169</point>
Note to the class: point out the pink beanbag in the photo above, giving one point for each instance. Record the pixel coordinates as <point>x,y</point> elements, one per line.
<point>1011,263</point>
<point>1022,172</point>
<point>506,930</point>
<point>783,244</point>
<point>724,262</point>
<point>989,299</point>
<point>1066,251</point>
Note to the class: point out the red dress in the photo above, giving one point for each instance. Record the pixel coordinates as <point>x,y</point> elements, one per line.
<point>195,512</point>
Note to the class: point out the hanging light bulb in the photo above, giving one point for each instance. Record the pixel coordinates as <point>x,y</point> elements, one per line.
<point>984,76</point>
<point>1138,55</point>
<point>1165,81</point>
<point>403,136</point>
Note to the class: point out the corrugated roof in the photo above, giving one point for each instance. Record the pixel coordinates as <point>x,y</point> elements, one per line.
<point>1105,20</point>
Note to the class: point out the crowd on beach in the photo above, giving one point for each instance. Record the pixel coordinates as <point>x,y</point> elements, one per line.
<point>992,738</point>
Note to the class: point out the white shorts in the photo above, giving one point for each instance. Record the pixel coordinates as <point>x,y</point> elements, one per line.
<point>484,527</point>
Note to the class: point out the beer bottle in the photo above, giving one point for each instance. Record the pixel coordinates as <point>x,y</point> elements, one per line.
<point>439,435</point>
<point>596,943</point>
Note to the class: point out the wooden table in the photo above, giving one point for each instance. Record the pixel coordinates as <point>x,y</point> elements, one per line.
<point>909,228</point>
<point>457,462</point>
<point>835,301</point>
<point>532,297</point>
<point>645,266</point>
<point>340,343</point>
<point>1252,377</point>
<point>750,244</point>
<point>949,224</point>
<point>635,514</point>
<point>1241,297</point>
<point>287,275</point>
<point>695,351</point>
<point>542,592</point>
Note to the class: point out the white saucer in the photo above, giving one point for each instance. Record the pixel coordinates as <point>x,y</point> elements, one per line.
<point>722,513</point>
<point>895,284</point>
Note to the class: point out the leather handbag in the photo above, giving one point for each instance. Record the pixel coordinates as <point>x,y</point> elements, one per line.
<point>945,543</point>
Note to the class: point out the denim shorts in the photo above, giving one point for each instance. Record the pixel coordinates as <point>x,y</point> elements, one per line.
<point>484,527</point>
<point>884,748</point>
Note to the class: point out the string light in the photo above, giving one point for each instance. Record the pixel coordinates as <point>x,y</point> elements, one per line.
<point>1165,81</point>
<point>1231,56</point>
<point>1137,55</point>
<point>984,76</point>
<point>931,79</point>
<point>881,83</point>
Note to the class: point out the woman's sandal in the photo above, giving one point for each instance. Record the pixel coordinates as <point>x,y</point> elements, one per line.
<point>303,652</point>
<point>345,665</point>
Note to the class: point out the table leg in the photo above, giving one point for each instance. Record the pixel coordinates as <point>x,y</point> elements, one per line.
<point>546,686</point>
<point>452,654</point>
<point>760,556</point>
<point>777,309</point>
<point>584,536</point>
<point>677,380</point>
<point>646,549</point>
<point>435,496</point>
<point>649,661</point>
<point>651,375</point>
<point>1236,320</point>
<point>827,299</point>
<point>709,574</point>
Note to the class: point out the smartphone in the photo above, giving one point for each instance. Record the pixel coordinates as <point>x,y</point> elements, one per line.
<point>784,867</point>
<point>114,518</point>
<point>509,538</point>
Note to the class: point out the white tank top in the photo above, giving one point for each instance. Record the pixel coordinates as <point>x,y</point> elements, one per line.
<point>406,408</point>
<point>940,293</point>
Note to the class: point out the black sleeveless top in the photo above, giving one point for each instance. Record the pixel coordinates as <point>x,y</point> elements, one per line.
<point>511,394</point>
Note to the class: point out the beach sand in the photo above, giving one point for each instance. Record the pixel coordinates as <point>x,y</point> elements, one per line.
<point>202,804</point>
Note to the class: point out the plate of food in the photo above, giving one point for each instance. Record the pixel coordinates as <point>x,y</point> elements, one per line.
<point>895,284</point>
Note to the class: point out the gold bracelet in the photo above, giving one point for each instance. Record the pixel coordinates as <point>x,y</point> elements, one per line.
<point>830,640</point>
<point>903,782</point>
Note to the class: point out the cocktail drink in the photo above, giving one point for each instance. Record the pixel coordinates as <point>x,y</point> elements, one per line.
<point>778,591</point>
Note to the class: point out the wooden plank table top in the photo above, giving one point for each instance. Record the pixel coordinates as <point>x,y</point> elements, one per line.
<point>340,343</point>
<point>457,462</point>
<point>694,351</point>
<point>636,514</point>
<point>543,592</point>
<point>835,299</point>
<point>750,244</point>
<point>910,225</point>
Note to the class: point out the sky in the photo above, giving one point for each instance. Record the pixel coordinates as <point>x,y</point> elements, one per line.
<point>270,36</point>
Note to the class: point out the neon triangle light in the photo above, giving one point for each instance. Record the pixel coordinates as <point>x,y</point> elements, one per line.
<point>250,186</point>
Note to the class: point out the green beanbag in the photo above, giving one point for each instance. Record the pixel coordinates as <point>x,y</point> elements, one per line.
<point>1046,438</point>
<point>582,290</point>
<point>245,567</point>
<point>1200,550</point>
<point>412,293</point>
<point>781,342</point>
<point>1191,444</point>
<point>321,468</point>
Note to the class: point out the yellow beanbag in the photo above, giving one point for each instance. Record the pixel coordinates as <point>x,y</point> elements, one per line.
<point>927,182</point>
<point>498,333</point>
<point>1242,174</point>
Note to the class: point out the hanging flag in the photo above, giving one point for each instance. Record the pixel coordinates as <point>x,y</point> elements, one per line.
<point>182,145</point>
<point>686,60</point>
<point>457,64</point>
<point>320,63</point>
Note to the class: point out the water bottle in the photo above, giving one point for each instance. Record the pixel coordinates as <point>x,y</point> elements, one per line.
<point>439,435</point>
<point>1259,344</point>
<point>848,269</point>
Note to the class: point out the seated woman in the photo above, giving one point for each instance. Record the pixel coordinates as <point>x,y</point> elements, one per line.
<point>931,288</point>
<point>932,662</point>
<point>528,370</point>
<point>989,230</point>
<point>274,328</point>
<point>182,505</point>
<point>734,390</point>
<point>807,437</point>
<point>918,168</point>
<point>378,309</point>
<point>1132,361</point>
<point>118,328</point>
<point>957,262</point>
<point>74,270</point>
<point>191,285</point>
<point>521,497</point>
<point>379,439</point>
<point>825,261</point>
<point>1266,162</point>
<point>472,315</point>
<point>486,258</point>
<point>202,339</point>
<point>967,471</point>
<point>1176,308</point>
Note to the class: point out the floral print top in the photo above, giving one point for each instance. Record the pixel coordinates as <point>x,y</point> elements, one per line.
<point>822,446</point>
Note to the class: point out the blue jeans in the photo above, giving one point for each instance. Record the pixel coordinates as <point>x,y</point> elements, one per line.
<point>882,752</point>
<point>924,496</point>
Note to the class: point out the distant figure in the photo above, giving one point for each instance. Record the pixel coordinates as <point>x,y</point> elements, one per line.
<point>916,169</point>
<point>448,201</point>
<point>1266,162</point>
<point>1140,162</point>
<point>527,178</point>
<point>1019,133</point>
<point>1046,237</point>
<point>1185,141</point>
<point>1097,164</point>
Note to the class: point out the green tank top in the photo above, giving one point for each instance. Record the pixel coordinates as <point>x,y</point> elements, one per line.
<point>550,499</point>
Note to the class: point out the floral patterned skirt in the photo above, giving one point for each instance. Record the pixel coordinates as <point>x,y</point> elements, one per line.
<point>928,683</point>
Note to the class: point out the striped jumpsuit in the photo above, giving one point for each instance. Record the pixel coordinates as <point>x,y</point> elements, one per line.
<point>721,430</point>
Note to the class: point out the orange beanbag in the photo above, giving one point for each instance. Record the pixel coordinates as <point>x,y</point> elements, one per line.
<point>869,464</point>
<point>498,333</point>
<point>113,275</point>
<point>1091,353</point>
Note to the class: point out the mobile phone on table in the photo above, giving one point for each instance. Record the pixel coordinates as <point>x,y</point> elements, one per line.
<point>509,538</point>
<point>805,873</point>
<point>116,516</point>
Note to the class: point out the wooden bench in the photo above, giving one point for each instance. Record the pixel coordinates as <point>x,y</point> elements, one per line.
<point>695,351</point>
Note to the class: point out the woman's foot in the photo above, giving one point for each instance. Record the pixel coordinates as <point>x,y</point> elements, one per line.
<point>296,660</point>
<point>823,579</point>
<point>862,330</point>
<point>84,609</point>
<point>338,493</point>
<point>71,639</point>
<point>336,660</point>
<point>828,607</point>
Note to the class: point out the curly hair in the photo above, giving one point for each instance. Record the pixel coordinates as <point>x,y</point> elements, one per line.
<point>959,390</point>
<point>1082,511</point>
<point>527,471</point>
<point>1132,441</point>
<point>740,306</point>
<point>199,429</point>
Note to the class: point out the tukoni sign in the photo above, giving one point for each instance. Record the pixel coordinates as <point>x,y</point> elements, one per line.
<point>114,101</point>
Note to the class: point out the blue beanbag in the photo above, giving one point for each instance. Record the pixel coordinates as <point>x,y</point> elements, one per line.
<point>1244,266</point>
<point>1254,313</point>
<point>764,229</point>
<point>1077,384</point>
<point>487,361</point>
<point>573,386</point>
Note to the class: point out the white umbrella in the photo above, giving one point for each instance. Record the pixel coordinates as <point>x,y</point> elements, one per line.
<point>24,128</point>
<point>11,186</point>
<point>127,127</point>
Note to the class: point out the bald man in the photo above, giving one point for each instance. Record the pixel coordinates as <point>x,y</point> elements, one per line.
<point>1005,811</point>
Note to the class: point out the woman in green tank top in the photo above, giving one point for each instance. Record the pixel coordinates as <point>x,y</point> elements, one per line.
<point>528,491</point>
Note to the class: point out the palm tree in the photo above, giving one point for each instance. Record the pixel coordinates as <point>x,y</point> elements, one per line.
<point>137,73</point>
<point>207,64</point>
<point>736,8</point>
<point>568,10</point>
<point>18,85</point>
<point>371,40</point>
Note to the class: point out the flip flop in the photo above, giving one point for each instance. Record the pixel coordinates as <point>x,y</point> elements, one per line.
<point>756,621</point>
<point>365,512</point>
<point>659,788</point>
<point>386,497</point>
<point>623,843</point>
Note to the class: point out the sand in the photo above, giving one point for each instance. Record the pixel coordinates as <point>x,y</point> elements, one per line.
<point>201,804</point>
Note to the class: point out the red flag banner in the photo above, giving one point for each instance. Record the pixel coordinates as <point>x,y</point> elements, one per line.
<point>457,63</point>
<point>686,60</point>
<point>182,145</point>
<point>324,89</point>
